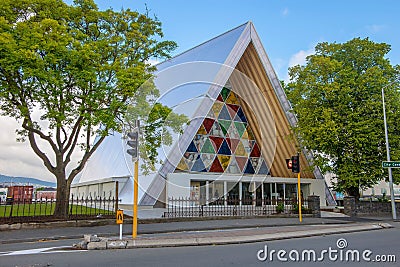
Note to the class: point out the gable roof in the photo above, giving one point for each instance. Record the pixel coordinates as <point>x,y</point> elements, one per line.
<point>237,56</point>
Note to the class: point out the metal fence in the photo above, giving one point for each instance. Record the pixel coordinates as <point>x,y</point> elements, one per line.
<point>231,206</point>
<point>42,209</point>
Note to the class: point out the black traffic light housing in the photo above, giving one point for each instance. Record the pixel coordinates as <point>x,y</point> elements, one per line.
<point>295,164</point>
<point>133,142</point>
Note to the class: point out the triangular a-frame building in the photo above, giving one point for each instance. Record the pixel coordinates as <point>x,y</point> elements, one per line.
<point>239,130</point>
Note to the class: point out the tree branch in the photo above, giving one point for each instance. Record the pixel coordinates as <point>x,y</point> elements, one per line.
<point>37,150</point>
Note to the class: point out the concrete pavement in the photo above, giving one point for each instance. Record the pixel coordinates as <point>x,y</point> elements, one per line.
<point>225,236</point>
<point>193,232</point>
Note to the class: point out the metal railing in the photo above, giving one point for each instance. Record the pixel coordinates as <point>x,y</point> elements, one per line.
<point>38,210</point>
<point>231,206</point>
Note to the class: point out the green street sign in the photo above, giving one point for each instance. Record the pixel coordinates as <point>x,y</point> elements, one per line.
<point>390,164</point>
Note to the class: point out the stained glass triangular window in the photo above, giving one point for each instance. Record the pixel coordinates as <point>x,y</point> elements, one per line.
<point>224,141</point>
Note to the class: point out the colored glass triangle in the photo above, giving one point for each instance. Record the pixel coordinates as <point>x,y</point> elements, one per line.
<point>249,168</point>
<point>250,133</point>
<point>256,151</point>
<point>216,141</point>
<point>182,165</point>
<point>224,149</point>
<point>232,99</point>
<point>240,150</point>
<point>233,167</point>
<point>254,162</point>
<point>198,165</point>
<point>245,135</point>
<point>216,107</point>
<point>224,114</point>
<point>241,115</point>
<point>199,140</point>
<point>216,130</point>
<point>207,160</point>
<point>192,148</point>
<point>241,161</point>
<point>241,127</point>
<point>224,125</point>
<point>202,130</point>
<point>207,147</point>
<point>211,114</point>
<point>219,98</point>
<point>208,123</point>
<point>233,143</point>
<point>225,93</point>
<point>224,160</point>
<point>232,110</point>
<point>263,168</point>
<point>247,145</point>
<point>216,166</point>
<point>233,132</point>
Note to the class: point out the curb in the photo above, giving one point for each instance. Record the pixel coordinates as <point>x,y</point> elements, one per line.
<point>223,240</point>
<point>78,236</point>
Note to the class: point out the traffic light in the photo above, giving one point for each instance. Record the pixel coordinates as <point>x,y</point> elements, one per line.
<point>133,143</point>
<point>289,163</point>
<point>295,164</point>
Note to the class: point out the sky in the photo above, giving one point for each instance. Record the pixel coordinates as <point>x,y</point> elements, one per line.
<point>288,29</point>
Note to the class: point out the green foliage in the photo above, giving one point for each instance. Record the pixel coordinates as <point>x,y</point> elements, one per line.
<point>280,207</point>
<point>337,100</point>
<point>295,209</point>
<point>66,70</point>
<point>159,121</point>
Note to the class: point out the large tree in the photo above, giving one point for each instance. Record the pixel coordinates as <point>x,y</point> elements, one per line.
<point>66,69</point>
<point>336,97</point>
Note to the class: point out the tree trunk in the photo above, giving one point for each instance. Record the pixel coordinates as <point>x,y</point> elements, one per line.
<point>62,202</point>
<point>353,191</point>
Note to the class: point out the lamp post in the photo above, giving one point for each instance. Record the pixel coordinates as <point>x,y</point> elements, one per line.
<point>388,152</point>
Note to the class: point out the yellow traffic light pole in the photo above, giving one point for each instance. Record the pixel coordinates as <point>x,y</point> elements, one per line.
<point>299,195</point>
<point>135,198</point>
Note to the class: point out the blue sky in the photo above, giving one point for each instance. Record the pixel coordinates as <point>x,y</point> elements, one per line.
<point>289,29</point>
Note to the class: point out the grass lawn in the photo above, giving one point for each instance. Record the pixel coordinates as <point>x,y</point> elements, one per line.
<point>41,209</point>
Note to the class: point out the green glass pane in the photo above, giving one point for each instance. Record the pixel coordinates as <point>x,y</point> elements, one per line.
<point>208,147</point>
<point>224,125</point>
<point>241,127</point>
<point>224,93</point>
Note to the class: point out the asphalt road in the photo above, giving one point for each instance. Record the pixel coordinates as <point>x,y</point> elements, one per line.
<point>383,243</point>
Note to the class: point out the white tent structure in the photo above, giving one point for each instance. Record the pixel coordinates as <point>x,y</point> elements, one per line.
<point>237,135</point>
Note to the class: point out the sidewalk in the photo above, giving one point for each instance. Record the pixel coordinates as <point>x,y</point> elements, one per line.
<point>217,229</point>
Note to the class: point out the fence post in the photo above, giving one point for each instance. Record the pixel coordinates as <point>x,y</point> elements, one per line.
<point>349,204</point>
<point>314,205</point>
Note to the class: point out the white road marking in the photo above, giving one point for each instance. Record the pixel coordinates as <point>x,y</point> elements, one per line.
<point>37,251</point>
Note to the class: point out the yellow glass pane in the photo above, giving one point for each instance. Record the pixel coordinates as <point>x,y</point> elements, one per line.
<point>232,99</point>
<point>240,150</point>
<point>202,130</point>
<point>224,160</point>
<point>182,165</point>
<point>216,108</point>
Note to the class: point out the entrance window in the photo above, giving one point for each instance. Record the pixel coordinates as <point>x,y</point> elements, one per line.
<point>291,191</point>
<point>216,191</point>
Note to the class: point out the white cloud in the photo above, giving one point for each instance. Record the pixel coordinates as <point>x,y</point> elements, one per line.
<point>18,158</point>
<point>153,61</point>
<point>300,57</point>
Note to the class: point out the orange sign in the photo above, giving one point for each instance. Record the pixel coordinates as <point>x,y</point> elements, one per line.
<point>120,216</point>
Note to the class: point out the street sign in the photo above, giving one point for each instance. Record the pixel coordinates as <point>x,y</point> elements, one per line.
<point>390,164</point>
<point>120,216</point>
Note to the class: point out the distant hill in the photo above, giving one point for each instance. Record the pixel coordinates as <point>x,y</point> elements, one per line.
<point>25,181</point>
